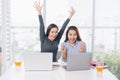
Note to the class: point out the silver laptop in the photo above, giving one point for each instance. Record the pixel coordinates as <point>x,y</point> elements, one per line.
<point>38,61</point>
<point>78,61</point>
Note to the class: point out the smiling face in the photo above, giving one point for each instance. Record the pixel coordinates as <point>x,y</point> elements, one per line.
<point>72,36</point>
<point>53,33</point>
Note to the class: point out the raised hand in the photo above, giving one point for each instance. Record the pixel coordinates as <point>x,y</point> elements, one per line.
<point>82,48</point>
<point>38,7</point>
<point>72,12</point>
<point>63,50</point>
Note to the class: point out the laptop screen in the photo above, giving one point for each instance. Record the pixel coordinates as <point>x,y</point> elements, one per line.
<point>79,61</point>
<point>38,61</point>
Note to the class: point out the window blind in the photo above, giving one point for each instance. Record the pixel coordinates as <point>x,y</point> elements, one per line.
<point>0,23</point>
<point>5,34</point>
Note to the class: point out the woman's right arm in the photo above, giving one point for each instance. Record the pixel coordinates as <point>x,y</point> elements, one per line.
<point>38,8</point>
<point>64,52</point>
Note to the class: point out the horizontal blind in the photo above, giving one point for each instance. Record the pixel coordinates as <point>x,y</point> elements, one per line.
<point>6,35</point>
<point>0,13</point>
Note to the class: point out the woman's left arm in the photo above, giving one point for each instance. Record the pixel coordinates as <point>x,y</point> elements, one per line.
<point>82,47</point>
<point>72,12</point>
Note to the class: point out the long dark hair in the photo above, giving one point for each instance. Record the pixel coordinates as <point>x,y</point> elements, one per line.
<point>76,30</point>
<point>50,27</point>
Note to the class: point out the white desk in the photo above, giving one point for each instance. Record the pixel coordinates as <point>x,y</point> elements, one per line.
<point>58,73</point>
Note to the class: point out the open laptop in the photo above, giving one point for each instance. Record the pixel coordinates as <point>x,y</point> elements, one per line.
<point>38,61</point>
<point>78,61</point>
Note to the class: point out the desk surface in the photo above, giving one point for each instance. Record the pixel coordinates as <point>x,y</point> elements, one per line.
<point>58,73</point>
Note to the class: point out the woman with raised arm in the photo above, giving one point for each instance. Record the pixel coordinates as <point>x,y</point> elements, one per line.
<point>50,40</point>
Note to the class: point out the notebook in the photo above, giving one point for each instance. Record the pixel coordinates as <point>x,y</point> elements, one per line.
<point>38,61</point>
<point>78,61</point>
